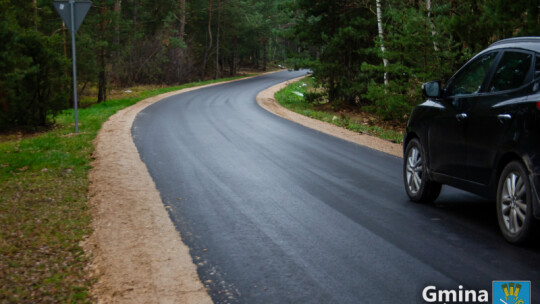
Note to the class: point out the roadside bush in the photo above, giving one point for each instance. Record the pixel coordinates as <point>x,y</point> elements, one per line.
<point>393,102</point>
<point>314,97</point>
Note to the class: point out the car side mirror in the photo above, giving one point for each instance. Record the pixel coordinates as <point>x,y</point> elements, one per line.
<point>432,89</point>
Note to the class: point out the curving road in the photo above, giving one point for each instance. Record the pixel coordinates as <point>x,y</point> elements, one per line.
<point>274,212</point>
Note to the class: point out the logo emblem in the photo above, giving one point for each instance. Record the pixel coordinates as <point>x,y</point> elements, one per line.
<point>511,292</point>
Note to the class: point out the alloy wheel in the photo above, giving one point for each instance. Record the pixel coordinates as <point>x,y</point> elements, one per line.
<point>514,203</point>
<point>414,170</point>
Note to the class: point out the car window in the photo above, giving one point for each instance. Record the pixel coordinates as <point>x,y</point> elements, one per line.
<point>470,79</point>
<point>511,71</point>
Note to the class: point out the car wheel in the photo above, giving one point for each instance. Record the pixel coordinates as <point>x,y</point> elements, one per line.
<point>417,183</point>
<point>514,204</point>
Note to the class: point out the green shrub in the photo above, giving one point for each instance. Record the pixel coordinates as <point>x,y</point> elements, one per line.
<point>314,97</point>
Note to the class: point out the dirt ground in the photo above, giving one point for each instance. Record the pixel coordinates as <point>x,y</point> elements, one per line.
<point>137,255</point>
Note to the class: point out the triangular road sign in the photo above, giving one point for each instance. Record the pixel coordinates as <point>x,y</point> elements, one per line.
<point>80,10</point>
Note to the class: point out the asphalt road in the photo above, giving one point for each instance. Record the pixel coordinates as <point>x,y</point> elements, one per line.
<point>274,212</point>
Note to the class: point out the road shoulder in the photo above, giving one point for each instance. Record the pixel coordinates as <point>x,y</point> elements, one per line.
<point>137,255</point>
<point>266,100</point>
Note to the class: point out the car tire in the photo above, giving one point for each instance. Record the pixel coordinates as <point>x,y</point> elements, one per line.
<point>514,204</point>
<point>417,183</point>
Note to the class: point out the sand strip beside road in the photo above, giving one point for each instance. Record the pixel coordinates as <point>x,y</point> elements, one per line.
<point>267,101</point>
<point>137,254</point>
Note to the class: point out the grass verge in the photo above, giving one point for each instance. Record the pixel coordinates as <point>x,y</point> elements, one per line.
<point>292,98</point>
<point>43,206</point>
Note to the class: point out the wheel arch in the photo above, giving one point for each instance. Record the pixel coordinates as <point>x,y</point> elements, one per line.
<point>504,160</point>
<point>408,137</point>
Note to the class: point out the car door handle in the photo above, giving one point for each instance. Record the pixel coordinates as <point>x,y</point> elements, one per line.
<point>503,117</point>
<point>461,116</point>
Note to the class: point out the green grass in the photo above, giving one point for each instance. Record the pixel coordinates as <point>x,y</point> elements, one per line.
<point>43,206</point>
<point>288,98</point>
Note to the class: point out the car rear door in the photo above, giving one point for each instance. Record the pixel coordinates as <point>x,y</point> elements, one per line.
<point>494,117</point>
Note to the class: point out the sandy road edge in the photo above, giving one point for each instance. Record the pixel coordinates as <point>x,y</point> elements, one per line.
<point>266,100</point>
<point>137,255</point>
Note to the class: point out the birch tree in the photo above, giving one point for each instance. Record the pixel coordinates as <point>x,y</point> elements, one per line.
<point>381,38</point>
<point>432,25</point>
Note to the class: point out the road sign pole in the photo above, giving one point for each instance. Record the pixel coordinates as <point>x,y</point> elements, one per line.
<point>74,56</point>
<point>77,10</point>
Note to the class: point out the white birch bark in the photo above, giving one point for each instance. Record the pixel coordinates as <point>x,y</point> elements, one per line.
<point>381,36</point>
<point>433,32</point>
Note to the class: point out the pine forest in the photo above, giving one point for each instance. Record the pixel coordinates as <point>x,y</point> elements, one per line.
<point>367,54</point>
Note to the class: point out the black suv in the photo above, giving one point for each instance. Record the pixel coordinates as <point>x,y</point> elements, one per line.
<point>481,133</point>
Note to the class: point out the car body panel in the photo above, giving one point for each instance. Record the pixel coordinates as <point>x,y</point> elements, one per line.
<point>469,138</point>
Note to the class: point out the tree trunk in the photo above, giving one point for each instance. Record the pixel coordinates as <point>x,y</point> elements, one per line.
<point>217,39</point>
<point>234,56</point>
<point>134,19</point>
<point>231,65</point>
<point>431,25</point>
<point>64,38</point>
<point>181,38</point>
<point>182,19</point>
<point>117,16</point>
<point>265,42</point>
<point>134,53</point>
<point>209,46</point>
<point>34,3</point>
<point>381,37</point>
<point>102,81</point>
<point>274,49</point>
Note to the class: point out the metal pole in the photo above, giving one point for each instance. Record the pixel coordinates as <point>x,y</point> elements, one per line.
<point>74,56</point>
